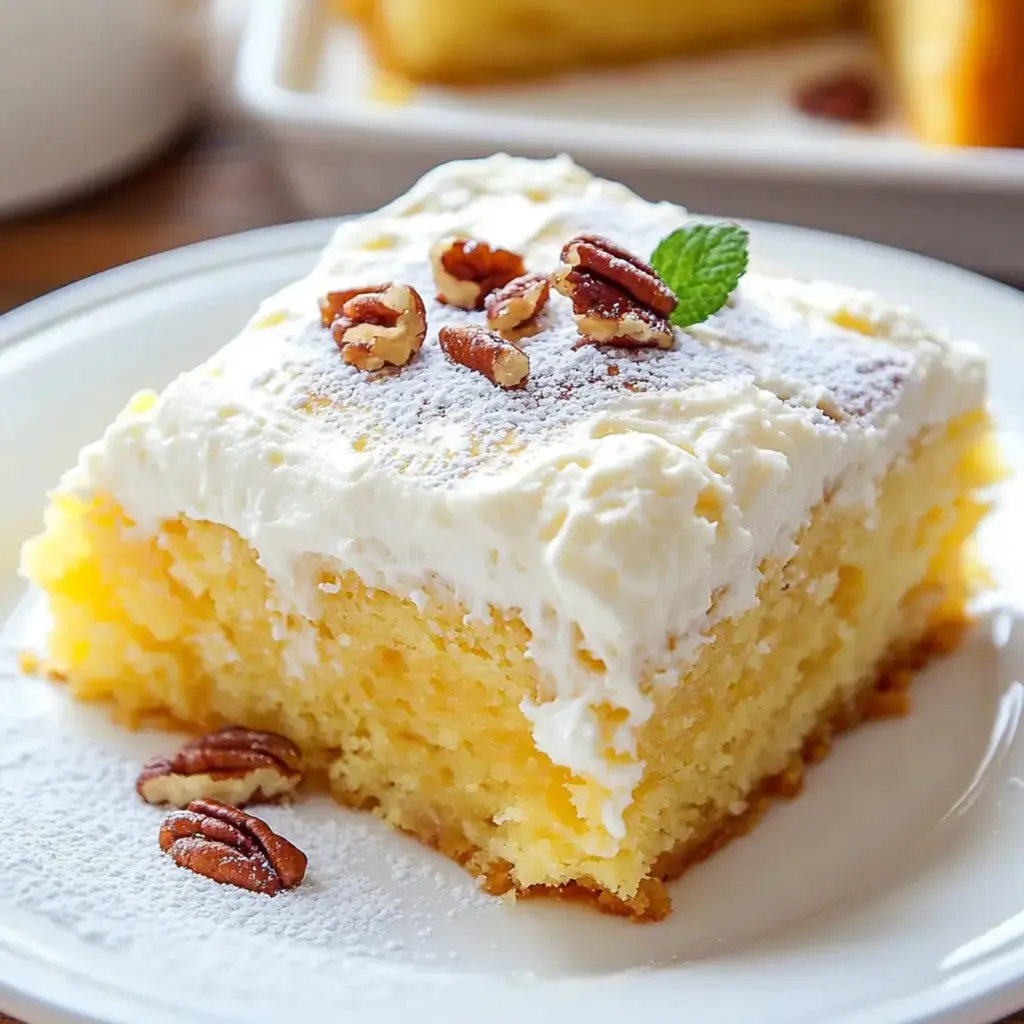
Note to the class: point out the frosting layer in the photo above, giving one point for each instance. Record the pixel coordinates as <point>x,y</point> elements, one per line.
<point>611,503</point>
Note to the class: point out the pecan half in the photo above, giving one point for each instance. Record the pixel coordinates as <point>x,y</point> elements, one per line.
<point>500,361</point>
<point>616,297</point>
<point>377,324</point>
<point>232,848</point>
<point>238,766</point>
<point>514,310</point>
<point>467,271</point>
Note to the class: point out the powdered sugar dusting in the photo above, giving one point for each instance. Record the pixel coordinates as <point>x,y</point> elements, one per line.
<point>80,849</point>
<point>467,422</point>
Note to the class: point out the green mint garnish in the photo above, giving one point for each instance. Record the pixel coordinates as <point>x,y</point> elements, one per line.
<point>702,264</point>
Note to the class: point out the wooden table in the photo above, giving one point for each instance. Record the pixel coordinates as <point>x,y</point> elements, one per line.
<point>215,181</point>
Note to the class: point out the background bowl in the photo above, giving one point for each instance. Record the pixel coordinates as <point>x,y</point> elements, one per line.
<point>89,88</point>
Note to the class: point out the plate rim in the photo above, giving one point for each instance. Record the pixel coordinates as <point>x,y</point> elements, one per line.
<point>55,993</point>
<point>261,91</point>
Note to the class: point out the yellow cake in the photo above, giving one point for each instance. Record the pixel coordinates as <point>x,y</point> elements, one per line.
<point>956,65</point>
<point>455,41</point>
<point>570,633</point>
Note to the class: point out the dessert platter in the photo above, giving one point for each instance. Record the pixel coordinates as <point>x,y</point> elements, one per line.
<point>900,121</point>
<point>445,634</point>
<point>953,65</point>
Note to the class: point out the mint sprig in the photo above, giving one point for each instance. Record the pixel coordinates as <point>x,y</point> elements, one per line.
<point>702,264</point>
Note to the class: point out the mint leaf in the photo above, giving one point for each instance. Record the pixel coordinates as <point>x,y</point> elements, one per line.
<point>702,264</point>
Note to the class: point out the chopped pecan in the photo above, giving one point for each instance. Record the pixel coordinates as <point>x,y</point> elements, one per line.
<point>514,310</point>
<point>376,324</point>
<point>332,305</point>
<point>238,766</point>
<point>616,297</point>
<point>232,848</point>
<point>501,362</point>
<point>467,271</point>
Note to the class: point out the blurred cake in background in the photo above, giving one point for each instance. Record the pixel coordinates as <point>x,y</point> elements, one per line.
<point>956,64</point>
<point>458,41</point>
<point>958,67</point>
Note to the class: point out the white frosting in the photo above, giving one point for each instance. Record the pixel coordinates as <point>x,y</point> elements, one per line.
<point>608,510</point>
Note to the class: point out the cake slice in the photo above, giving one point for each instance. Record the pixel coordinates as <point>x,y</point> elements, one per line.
<point>566,611</point>
<point>455,41</point>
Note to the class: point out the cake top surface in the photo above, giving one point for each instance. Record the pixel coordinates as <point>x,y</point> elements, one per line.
<point>618,500</point>
<point>831,353</point>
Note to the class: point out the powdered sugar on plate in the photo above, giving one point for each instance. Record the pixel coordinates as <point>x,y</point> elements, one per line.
<point>80,849</point>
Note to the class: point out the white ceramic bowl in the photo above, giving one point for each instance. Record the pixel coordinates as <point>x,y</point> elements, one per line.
<point>87,88</point>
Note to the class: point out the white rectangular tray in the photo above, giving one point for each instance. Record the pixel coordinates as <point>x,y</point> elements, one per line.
<point>715,134</point>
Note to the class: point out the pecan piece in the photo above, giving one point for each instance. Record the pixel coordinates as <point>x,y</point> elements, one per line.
<point>616,297</point>
<point>232,848</point>
<point>501,362</point>
<point>467,271</point>
<point>376,324</point>
<point>236,765</point>
<point>606,260</point>
<point>851,96</point>
<point>332,305</point>
<point>514,310</point>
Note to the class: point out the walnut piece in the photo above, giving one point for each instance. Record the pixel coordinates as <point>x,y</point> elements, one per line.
<point>235,765</point>
<point>232,848</point>
<point>376,324</point>
<point>467,271</point>
<point>514,310</point>
<point>616,297</point>
<point>501,362</point>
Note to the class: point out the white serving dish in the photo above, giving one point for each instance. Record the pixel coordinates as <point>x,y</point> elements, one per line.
<point>733,147</point>
<point>890,892</point>
<point>89,88</point>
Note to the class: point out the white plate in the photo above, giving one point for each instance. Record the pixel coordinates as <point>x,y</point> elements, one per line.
<point>715,134</point>
<point>891,891</point>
